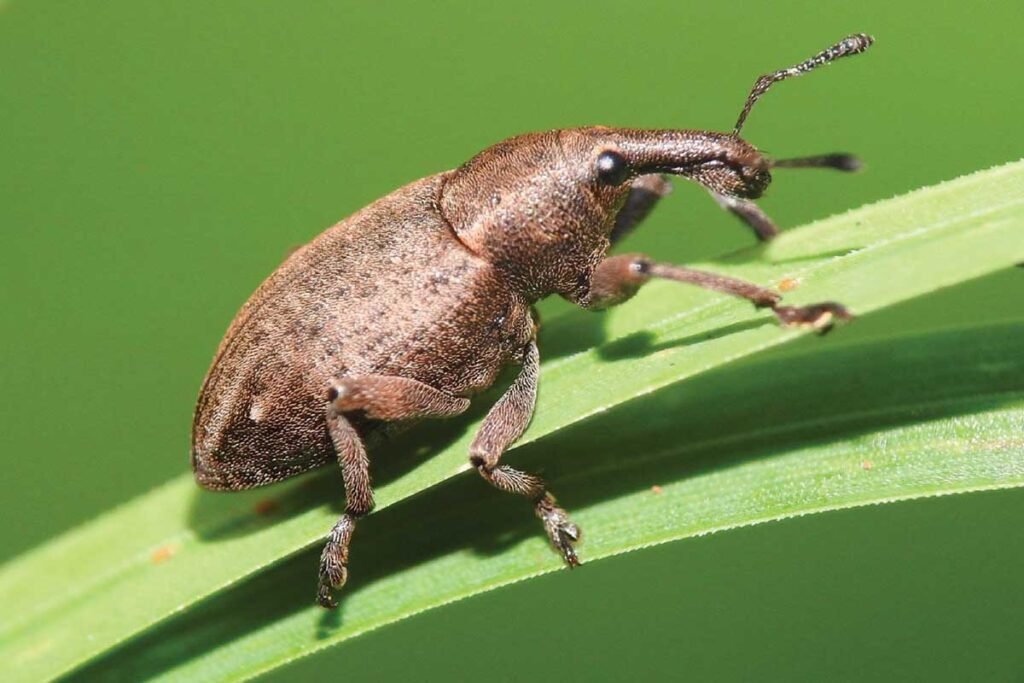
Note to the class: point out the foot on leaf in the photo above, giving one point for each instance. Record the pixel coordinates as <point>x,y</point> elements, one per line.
<point>820,317</point>
<point>334,562</point>
<point>561,530</point>
<point>333,574</point>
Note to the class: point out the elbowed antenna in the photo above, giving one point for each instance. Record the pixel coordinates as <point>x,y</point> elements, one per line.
<point>851,45</point>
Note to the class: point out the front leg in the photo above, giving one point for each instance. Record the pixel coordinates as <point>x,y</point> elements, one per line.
<point>618,278</point>
<point>756,219</point>
<point>506,422</point>
<point>642,198</point>
<point>750,213</point>
<point>647,190</point>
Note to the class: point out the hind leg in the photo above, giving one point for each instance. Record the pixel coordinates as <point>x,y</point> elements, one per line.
<point>379,397</point>
<point>355,472</point>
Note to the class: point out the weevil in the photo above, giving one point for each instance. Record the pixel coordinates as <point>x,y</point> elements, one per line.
<point>409,307</point>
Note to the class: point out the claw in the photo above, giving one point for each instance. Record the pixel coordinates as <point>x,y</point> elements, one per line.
<point>820,317</point>
<point>334,562</point>
<point>562,532</point>
<point>332,577</point>
<point>325,596</point>
<point>567,536</point>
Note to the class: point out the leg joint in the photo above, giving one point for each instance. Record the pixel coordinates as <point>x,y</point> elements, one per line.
<point>482,459</point>
<point>360,508</point>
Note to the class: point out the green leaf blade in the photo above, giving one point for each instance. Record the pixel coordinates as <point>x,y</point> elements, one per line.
<point>961,431</point>
<point>175,547</point>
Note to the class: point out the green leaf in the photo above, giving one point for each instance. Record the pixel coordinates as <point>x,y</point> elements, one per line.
<point>915,424</point>
<point>169,549</point>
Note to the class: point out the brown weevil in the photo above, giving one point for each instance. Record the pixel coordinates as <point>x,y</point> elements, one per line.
<point>415,303</point>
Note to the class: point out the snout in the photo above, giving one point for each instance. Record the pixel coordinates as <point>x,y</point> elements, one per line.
<point>722,162</point>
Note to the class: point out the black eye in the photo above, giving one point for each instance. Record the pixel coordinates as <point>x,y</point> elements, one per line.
<point>612,169</point>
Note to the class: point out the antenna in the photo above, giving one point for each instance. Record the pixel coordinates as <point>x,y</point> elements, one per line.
<point>840,161</point>
<point>851,45</point>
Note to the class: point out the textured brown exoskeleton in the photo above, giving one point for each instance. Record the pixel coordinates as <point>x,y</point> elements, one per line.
<point>409,307</point>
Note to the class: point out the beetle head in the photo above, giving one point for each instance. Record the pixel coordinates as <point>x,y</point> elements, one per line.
<point>542,206</point>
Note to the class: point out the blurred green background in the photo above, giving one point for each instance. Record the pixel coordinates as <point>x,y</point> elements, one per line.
<point>157,160</point>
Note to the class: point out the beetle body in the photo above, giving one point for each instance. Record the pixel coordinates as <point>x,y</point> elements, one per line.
<point>362,298</point>
<point>417,286</point>
<point>416,303</point>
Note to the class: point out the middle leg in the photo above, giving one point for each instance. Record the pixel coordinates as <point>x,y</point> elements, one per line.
<point>506,422</point>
